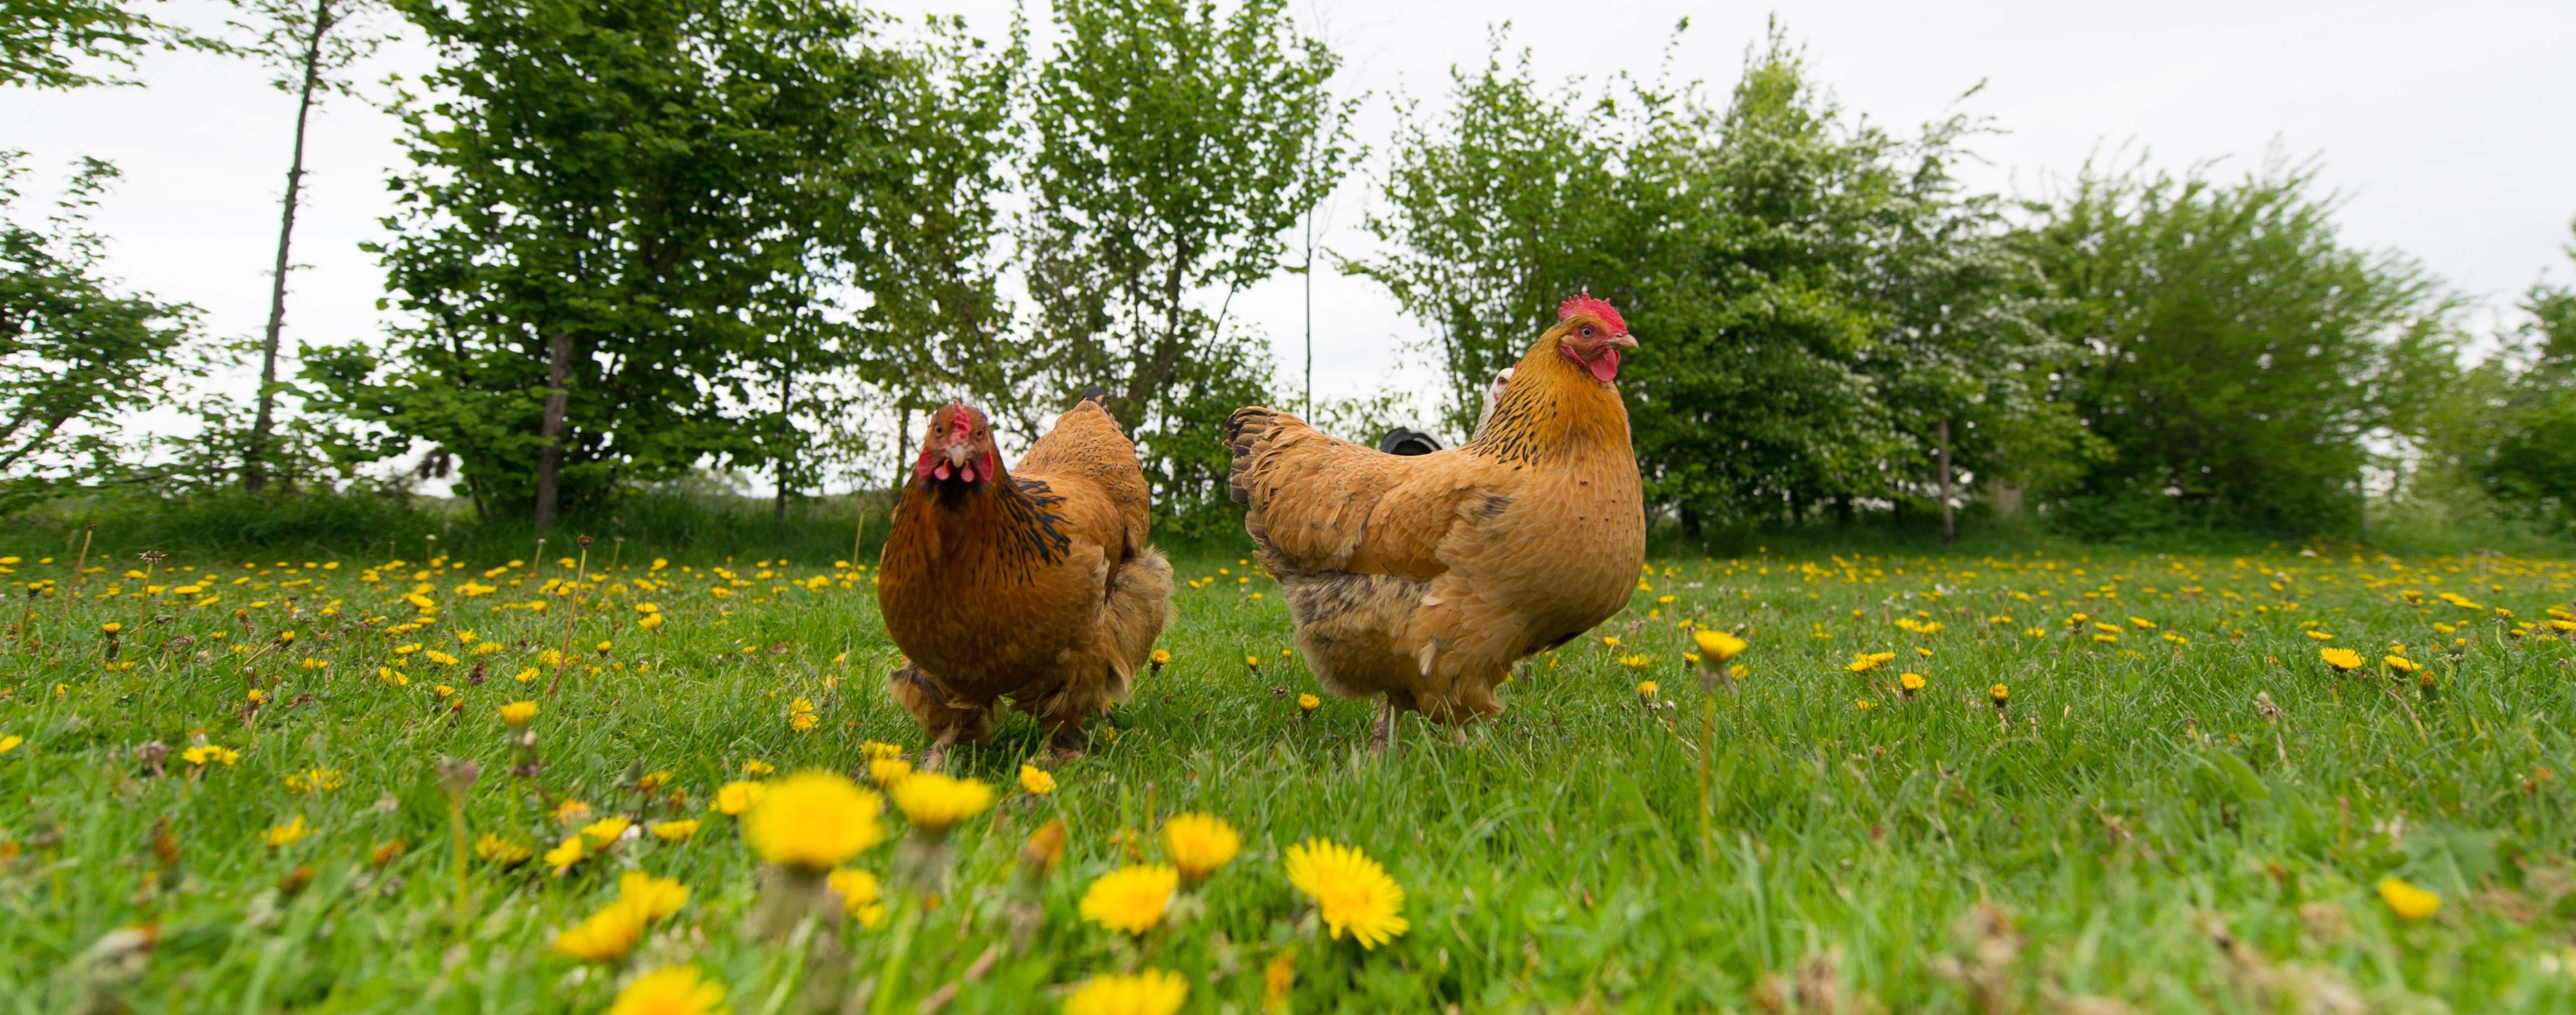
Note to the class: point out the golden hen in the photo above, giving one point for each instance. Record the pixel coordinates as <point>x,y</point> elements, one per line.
<point>1034,584</point>
<point>1425,578</point>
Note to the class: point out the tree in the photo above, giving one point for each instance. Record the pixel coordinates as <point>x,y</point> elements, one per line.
<point>1173,151</point>
<point>1816,299</point>
<point>2238,358</point>
<point>2527,458</point>
<point>308,42</point>
<point>74,352</point>
<point>631,220</point>
<point>41,41</point>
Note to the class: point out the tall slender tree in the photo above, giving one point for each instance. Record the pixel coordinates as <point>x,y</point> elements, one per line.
<point>311,44</point>
<point>1175,148</point>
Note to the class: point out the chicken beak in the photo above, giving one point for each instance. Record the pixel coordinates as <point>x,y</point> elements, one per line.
<point>1622,340</point>
<point>958,454</point>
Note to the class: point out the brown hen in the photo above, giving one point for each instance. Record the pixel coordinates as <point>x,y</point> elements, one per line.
<point>1425,578</point>
<point>1034,585</point>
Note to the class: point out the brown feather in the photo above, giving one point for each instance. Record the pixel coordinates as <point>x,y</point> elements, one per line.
<point>1426,577</point>
<point>1038,587</point>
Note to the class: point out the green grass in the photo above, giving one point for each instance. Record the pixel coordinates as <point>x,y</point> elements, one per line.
<point>2133,826</point>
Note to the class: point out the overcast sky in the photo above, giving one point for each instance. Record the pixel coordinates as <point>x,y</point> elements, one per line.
<point>2451,128</point>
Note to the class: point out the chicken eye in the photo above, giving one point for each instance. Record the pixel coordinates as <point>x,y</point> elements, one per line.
<point>1587,331</point>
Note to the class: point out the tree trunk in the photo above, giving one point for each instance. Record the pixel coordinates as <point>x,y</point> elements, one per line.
<point>778,508</point>
<point>255,456</point>
<point>1949,528</point>
<point>550,429</point>
<point>1309,410</point>
<point>903,447</point>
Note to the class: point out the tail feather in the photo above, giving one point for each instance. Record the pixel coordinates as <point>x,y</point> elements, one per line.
<point>1138,606</point>
<point>1245,432</point>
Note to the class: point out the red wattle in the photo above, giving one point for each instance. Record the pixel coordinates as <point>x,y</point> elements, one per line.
<point>940,470</point>
<point>966,472</point>
<point>1606,368</point>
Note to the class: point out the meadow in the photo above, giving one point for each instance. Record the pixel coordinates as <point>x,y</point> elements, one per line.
<point>2057,779</point>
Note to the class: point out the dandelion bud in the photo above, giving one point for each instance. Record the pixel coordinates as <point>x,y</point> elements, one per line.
<point>1045,847</point>
<point>2000,695</point>
<point>459,774</point>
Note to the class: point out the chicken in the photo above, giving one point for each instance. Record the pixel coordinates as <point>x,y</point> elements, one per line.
<point>1493,397</point>
<point>1425,578</point>
<point>1035,585</point>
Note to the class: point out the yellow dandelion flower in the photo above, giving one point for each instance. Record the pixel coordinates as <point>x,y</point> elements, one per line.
<point>1276,978</point>
<point>570,811</point>
<point>210,753</point>
<point>674,831</point>
<point>675,990</point>
<point>565,854</point>
<point>1307,702</point>
<point>800,715</point>
<point>2340,658</point>
<point>2143,623</point>
<point>1909,682</point>
<point>1151,992</point>
<point>1161,657</point>
<point>315,780</point>
<point>597,835</point>
<point>655,897</point>
<point>885,772</point>
<point>859,892</point>
<point>607,936</point>
<point>1350,890</point>
<point>1198,844</point>
<point>878,750</point>
<point>814,820</point>
<point>2407,900</point>
<point>1866,661</point>
<point>1646,690</point>
<point>518,713</point>
<point>755,768</point>
<point>1036,780</point>
<point>736,797</point>
<point>1716,645</point>
<point>2401,664</point>
<point>501,850</point>
<point>2000,695</point>
<point>288,833</point>
<point>1131,899</point>
<point>933,801</point>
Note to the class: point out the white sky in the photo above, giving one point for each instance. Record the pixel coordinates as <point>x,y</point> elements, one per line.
<point>2449,127</point>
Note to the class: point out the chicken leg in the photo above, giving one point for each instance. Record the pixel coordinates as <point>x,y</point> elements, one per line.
<point>1385,731</point>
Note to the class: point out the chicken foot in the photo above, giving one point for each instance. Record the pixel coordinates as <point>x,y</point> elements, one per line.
<point>1385,731</point>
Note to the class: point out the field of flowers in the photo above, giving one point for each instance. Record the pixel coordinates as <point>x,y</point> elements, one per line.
<point>2318,780</point>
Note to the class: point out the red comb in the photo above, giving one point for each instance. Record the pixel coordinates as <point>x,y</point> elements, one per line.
<point>1602,309</point>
